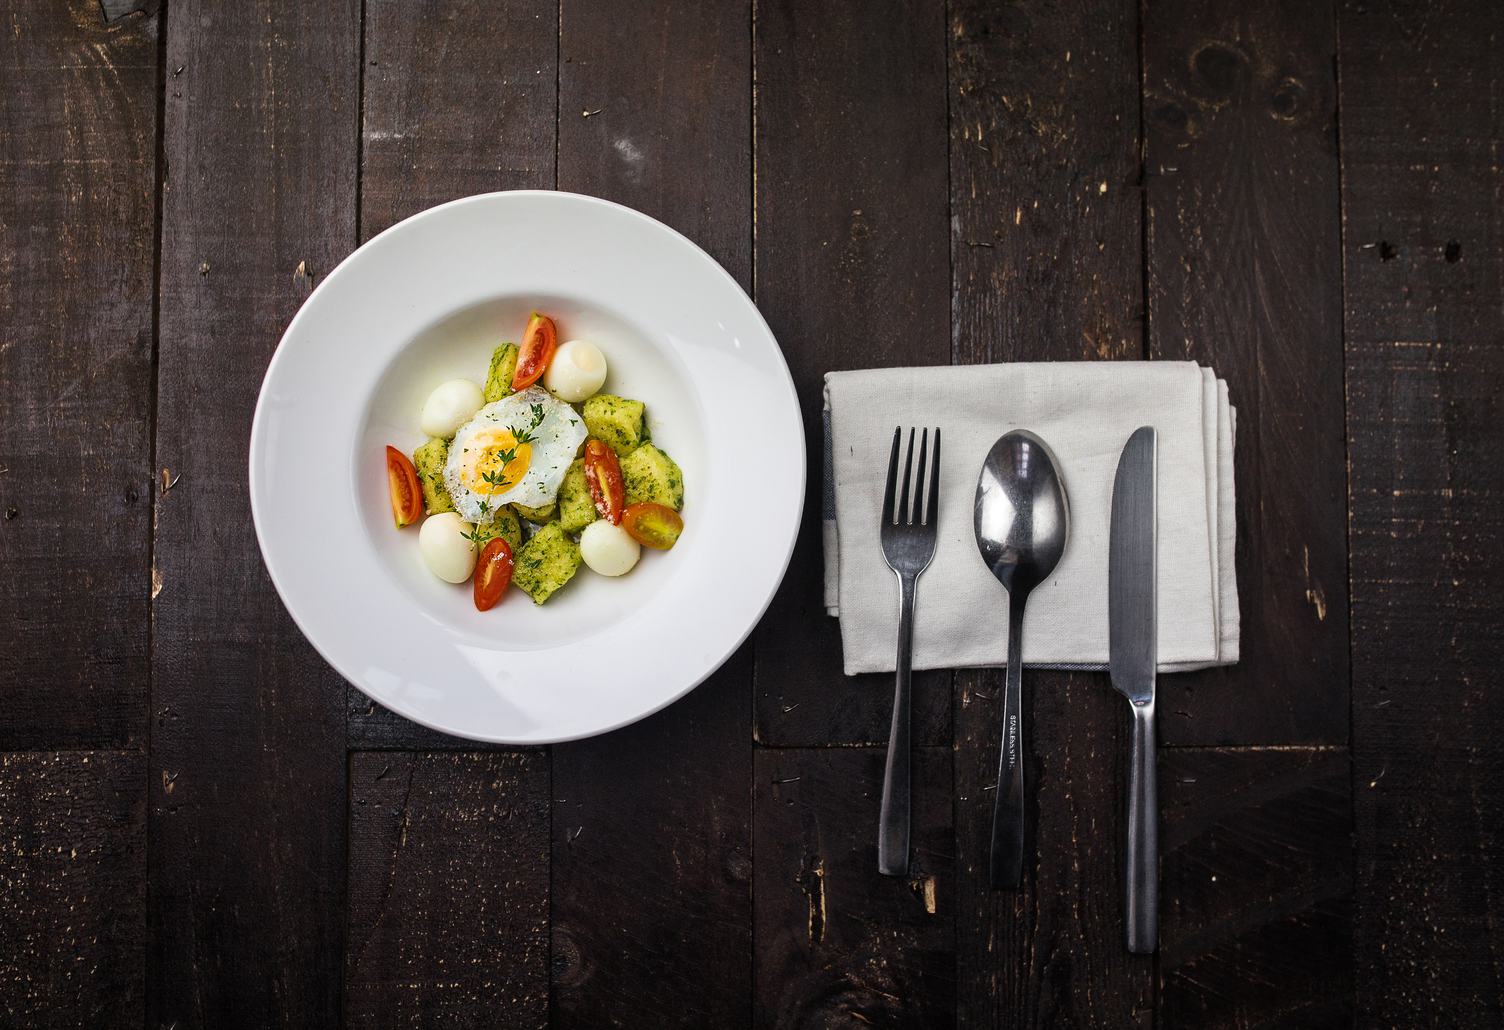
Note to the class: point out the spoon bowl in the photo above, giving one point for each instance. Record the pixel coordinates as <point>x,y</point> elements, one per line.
<point>1022,515</point>
<point>1022,520</point>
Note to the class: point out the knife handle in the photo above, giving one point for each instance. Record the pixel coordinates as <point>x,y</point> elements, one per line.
<point>1141,880</point>
<point>1007,854</point>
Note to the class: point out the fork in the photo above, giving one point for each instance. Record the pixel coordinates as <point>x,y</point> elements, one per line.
<point>908,539</point>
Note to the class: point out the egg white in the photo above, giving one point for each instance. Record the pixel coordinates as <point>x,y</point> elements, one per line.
<point>556,432</point>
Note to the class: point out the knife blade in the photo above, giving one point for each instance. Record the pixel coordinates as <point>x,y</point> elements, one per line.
<point>1132,643</point>
<point>1133,654</point>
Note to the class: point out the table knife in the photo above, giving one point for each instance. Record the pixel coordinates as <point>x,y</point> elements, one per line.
<point>1133,656</point>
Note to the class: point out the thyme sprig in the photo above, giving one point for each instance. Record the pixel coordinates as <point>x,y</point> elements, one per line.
<point>496,478</point>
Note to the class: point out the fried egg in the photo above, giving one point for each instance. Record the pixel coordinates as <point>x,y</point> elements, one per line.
<point>514,451</point>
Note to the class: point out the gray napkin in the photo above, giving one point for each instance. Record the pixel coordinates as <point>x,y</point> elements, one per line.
<point>1085,412</point>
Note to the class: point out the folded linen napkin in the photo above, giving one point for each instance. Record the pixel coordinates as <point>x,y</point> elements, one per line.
<point>1085,412</point>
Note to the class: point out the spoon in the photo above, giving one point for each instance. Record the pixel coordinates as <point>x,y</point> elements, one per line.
<point>1022,521</point>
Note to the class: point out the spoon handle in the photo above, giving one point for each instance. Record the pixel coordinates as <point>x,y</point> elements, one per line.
<point>893,820</point>
<point>1007,865</point>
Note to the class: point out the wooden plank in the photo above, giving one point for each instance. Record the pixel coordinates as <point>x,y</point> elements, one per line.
<point>448,890</point>
<point>1423,230</point>
<point>838,944</point>
<point>1244,271</point>
<point>247,767</point>
<point>1051,953</point>
<point>1256,890</point>
<point>1047,254</point>
<point>458,99</point>
<point>655,105</point>
<point>652,824</point>
<point>852,270</point>
<point>78,159</point>
<point>72,888</point>
<point>652,866</point>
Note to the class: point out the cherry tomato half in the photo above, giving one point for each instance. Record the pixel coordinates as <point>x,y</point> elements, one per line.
<point>538,345</point>
<point>652,525</point>
<point>603,473</point>
<point>493,571</point>
<point>402,480</point>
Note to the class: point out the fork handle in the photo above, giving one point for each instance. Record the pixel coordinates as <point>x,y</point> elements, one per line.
<point>893,821</point>
<point>1007,856</point>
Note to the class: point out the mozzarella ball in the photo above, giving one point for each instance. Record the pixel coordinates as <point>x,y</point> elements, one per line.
<point>450,406</point>
<point>608,549</point>
<point>447,552</point>
<point>577,372</point>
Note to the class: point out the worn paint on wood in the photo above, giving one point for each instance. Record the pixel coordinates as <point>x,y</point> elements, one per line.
<point>72,888</point>
<point>652,866</point>
<point>1255,888</point>
<point>247,765</point>
<point>448,873</point>
<point>1243,270</point>
<point>458,99</point>
<point>837,943</point>
<point>77,212</point>
<point>1423,239</point>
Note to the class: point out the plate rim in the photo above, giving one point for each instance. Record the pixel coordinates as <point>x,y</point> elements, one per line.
<point>256,445</point>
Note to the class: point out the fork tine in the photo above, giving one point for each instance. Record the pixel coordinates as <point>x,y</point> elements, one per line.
<point>924,448</point>
<point>904,518</point>
<point>892,479</point>
<point>929,508</point>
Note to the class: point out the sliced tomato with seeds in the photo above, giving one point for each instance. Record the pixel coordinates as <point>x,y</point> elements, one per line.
<point>652,525</point>
<point>603,474</point>
<point>402,482</point>
<point>493,572</point>
<point>539,342</point>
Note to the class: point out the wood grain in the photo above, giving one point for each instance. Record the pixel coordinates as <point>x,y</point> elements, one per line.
<point>851,273</point>
<point>1244,261</point>
<point>448,882</point>
<point>839,944</point>
<point>78,160</point>
<point>1256,888</point>
<point>652,867</point>
<point>1046,246</point>
<point>247,765</point>
<point>72,888</point>
<point>652,842</point>
<point>457,99</point>
<point>1423,228</point>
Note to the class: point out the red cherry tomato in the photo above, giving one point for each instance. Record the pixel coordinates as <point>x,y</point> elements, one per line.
<point>493,571</point>
<point>402,481</point>
<point>603,474</point>
<point>538,345</point>
<point>652,525</point>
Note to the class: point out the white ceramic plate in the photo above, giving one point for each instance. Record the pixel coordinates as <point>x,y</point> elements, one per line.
<point>427,301</point>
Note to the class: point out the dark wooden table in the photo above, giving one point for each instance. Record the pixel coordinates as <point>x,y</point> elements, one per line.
<point>201,825</point>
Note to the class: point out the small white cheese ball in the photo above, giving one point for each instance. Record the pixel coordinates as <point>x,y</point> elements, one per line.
<point>608,549</point>
<point>450,406</point>
<point>577,372</point>
<point>447,552</point>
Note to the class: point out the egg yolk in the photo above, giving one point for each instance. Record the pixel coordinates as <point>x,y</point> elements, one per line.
<point>496,462</point>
